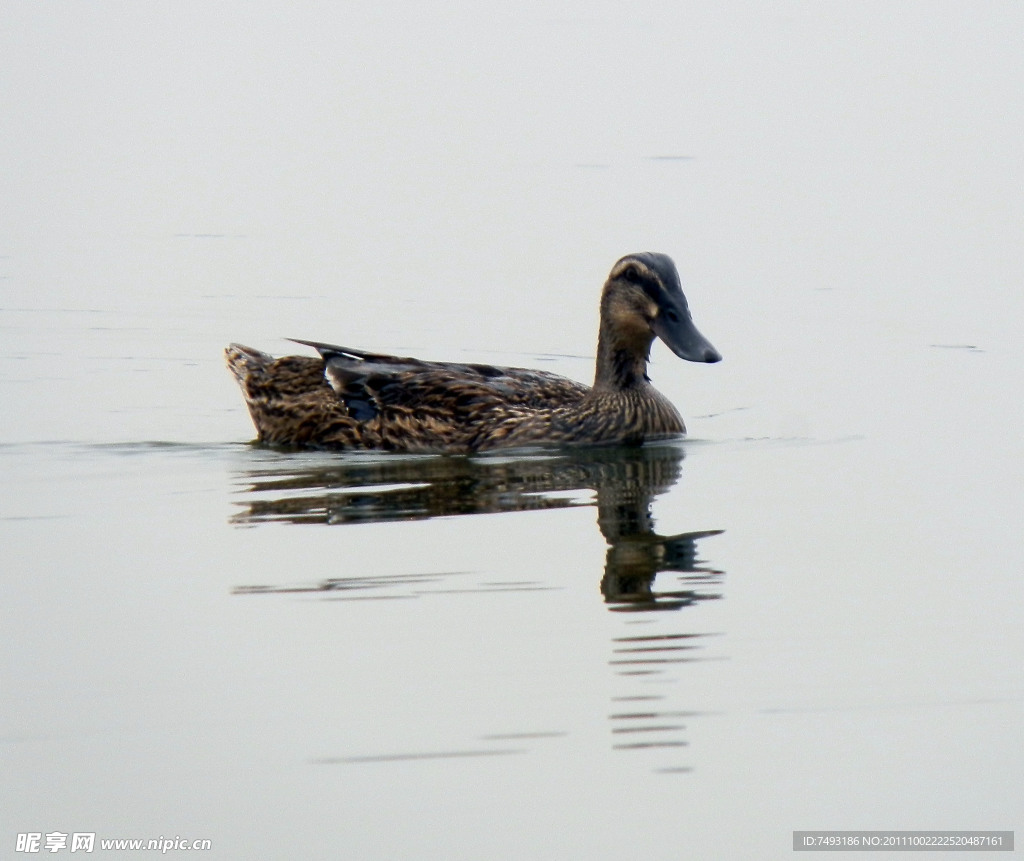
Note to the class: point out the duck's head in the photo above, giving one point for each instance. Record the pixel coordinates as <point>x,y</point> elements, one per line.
<point>642,300</point>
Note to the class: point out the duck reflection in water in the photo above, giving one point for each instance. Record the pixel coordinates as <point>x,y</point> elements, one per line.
<point>368,488</point>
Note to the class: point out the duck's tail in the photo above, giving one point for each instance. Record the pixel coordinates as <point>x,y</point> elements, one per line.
<point>245,362</point>
<point>289,400</point>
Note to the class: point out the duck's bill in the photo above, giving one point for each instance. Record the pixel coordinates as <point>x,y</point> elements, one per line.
<point>684,340</point>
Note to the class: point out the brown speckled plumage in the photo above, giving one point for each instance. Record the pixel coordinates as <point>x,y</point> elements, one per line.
<point>350,399</point>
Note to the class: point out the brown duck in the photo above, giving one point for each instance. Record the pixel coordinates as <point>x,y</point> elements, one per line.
<point>351,399</point>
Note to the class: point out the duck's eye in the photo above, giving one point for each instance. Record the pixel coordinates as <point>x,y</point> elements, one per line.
<point>632,275</point>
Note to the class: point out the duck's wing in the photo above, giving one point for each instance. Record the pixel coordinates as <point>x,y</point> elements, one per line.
<point>374,383</point>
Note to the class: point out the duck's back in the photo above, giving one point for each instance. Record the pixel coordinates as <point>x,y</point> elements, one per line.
<point>356,400</point>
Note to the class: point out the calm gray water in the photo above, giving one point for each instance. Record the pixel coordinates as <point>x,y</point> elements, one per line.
<point>807,615</point>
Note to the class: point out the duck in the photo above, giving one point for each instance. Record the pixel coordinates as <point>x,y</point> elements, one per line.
<point>349,399</point>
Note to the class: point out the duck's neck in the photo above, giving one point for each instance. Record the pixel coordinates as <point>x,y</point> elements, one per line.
<point>621,361</point>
